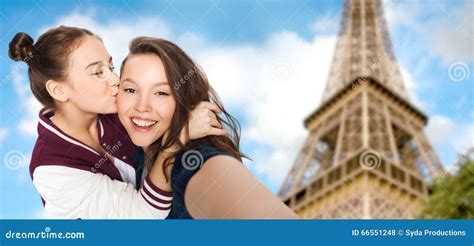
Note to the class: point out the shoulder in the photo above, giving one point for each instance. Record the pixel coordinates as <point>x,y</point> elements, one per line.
<point>221,170</point>
<point>197,164</point>
<point>219,165</point>
<point>49,150</point>
<point>194,159</point>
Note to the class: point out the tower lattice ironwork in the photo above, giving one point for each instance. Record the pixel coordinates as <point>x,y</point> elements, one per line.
<point>366,155</point>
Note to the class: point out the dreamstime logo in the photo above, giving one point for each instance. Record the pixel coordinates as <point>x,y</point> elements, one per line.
<point>376,65</point>
<point>369,159</point>
<point>14,160</point>
<point>457,163</point>
<point>15,70</point>
<point>459,71</point>
<point>192,159</point>
<point>280,72</point>
<point>110,150</point>
<point>185,78</point>
<point>47,233</point>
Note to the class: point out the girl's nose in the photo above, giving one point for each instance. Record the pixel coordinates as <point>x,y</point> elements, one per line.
<point>142,104</point>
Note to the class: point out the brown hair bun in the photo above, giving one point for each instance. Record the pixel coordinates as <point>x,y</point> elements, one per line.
<point>21,47</point>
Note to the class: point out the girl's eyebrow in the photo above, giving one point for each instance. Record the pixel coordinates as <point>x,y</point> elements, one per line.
<point>155,84</point>
<point>129,80</point>
<point>97,62</point>
<point>160,83</point>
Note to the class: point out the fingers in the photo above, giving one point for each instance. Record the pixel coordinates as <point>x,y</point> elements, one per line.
<point>212,115</point>
<point>213,119</point>
<point>211,106</point>
<point>215,123</point>
<point>217,132</point>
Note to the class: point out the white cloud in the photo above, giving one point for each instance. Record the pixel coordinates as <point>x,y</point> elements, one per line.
<point>401,13</point>
<point>413,91</point>
<point>446,25</point>
<point>456,28</point>
<point>28,103</point>
<point>440,129</point>
<point>18,72</point>
<point>328,23</point>
<point>444,132</point>
<point>3,134</point>
<point>28,124</point>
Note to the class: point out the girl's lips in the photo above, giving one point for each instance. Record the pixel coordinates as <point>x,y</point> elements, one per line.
<point>142,128</point>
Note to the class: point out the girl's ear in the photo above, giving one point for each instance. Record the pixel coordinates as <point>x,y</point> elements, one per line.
<point>57,90</point>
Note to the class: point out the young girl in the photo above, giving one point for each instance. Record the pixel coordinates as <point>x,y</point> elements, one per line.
<point>83,163</point>
<point>159,86</point>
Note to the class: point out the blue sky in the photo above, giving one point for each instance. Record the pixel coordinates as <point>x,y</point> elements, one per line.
<point>268,60</point>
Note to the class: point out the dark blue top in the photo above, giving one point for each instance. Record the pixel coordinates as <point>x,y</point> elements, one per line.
<point>186,165</point>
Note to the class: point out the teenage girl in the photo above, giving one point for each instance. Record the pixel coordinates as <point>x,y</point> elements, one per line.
<point>208,179</point>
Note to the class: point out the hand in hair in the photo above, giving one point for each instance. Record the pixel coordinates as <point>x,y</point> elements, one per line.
<point>203,122</point>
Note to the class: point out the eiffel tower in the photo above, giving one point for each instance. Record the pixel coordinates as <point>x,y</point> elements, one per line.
<point>366,156</point>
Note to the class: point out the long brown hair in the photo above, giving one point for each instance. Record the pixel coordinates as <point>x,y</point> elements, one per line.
<point>48,58</point>
<point>189,86</point>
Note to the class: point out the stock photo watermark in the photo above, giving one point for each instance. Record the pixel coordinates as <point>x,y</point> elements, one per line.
<point>458,162</point>
<point>192,160</point>
<point>14,160</point>
<point>369,159</point>
<point>459,71</point>
<point>110,150</point>
<point>15,71</point>
<point>280,72</point>
<point>377,63</point>
<point>47,233</point>
<point>185,78</point>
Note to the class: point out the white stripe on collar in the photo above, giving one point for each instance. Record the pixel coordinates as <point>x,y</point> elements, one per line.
<point>101,129</point>
<point>53,130</point>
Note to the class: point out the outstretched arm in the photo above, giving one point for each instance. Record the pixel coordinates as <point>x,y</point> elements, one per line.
<point>225,189</point>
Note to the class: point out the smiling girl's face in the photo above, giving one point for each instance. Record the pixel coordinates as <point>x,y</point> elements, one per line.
<point>144,102</point>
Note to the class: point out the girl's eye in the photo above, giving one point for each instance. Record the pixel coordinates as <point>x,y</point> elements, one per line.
<point>161,93</point>
<point>103,73</point>
<point>129,90</point>
<point>98,73</point>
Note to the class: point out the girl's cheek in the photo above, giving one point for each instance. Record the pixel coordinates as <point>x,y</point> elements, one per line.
<point>163,109</point>
<point>171,109</point>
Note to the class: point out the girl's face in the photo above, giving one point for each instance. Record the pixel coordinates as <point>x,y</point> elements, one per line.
<point>92,84</point>
<point>145,103</point>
